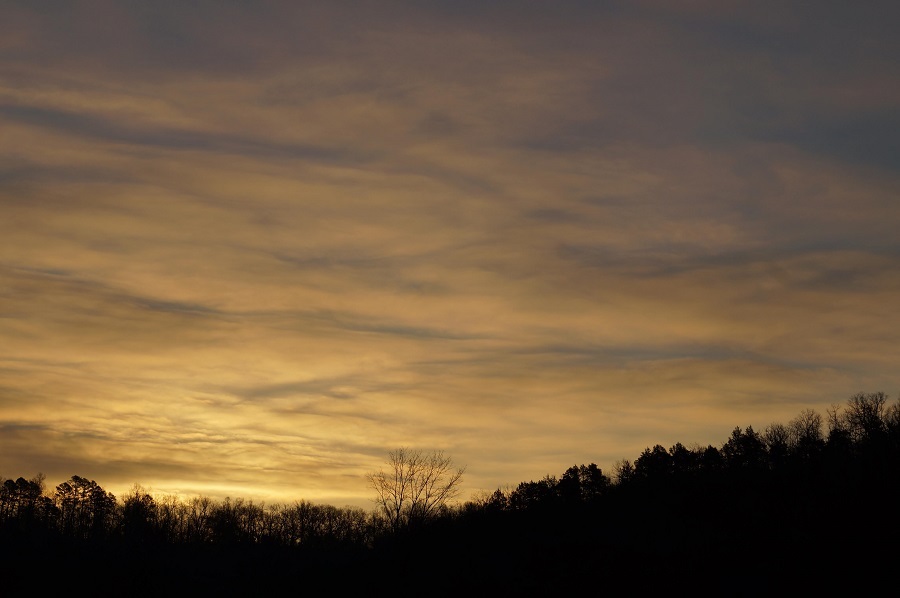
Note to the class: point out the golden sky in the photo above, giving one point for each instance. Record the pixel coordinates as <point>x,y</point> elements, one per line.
<point>247,248</point>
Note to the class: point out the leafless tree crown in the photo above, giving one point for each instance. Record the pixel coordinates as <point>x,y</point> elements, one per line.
<point>414,485</point>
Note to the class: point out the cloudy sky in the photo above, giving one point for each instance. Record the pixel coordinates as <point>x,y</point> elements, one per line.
<point>247,248</point>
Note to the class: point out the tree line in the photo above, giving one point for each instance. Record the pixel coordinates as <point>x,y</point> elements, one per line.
<point>79,509</point>
<point>792,498</point>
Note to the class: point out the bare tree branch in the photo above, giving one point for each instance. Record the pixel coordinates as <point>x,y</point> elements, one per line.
<point>415,485</point>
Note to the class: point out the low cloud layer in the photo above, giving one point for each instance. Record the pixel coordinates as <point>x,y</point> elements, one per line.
<point>247,250</point>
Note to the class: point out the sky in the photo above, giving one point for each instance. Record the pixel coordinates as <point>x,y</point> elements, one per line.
<point>248,248</point>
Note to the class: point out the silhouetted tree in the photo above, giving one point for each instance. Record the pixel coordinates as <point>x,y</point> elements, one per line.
<point>530,495</point>
<point>138,515</point>
<point>85,508</point>
<point>171,519</point>
<point>623,472</point>
<point>864,417</point>
<point>23,501</point>
<point>805,434</point>
<point>653,464</point>
<point>745,449</point>
<point>711,459</point>
<point>684,461</point>
<point>839,440</point>
<point>806,428</point>
<point>569,485</point>
<point>593,483</point>
<point>777,438</point>
<point>415,485</point>
<point>892,426</point>
<point>496,501</point>
<point>486,503</point>
<point>198,517</point>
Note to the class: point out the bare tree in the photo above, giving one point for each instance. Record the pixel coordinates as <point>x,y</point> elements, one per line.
<point>865,415</point>
<point>805,429</point>
<point>414,485</point>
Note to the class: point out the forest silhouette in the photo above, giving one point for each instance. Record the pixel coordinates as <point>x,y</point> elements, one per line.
<point>801,507</point>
